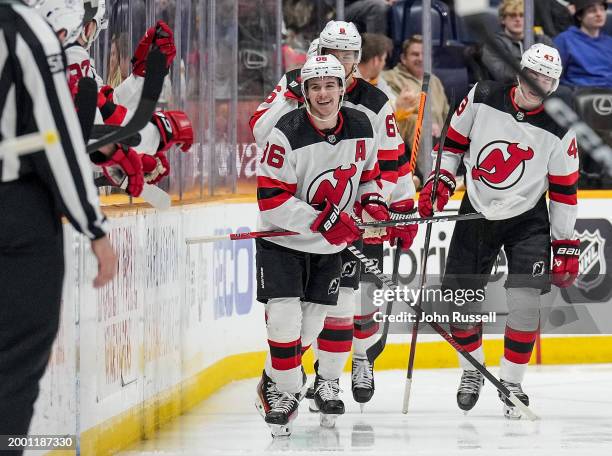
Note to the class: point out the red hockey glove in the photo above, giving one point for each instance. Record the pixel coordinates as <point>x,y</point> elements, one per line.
<point>174,128</point>
<point>112,114</point>
<point>373,208</point>
<point>406,233</point>
<point>446,188</point>
<point>336,227</point>
<point>125,162</point>
<point>565,262</point>
<point>155,167</point>
<point>161,35</point>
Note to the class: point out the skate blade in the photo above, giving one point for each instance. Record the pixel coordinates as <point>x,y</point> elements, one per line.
<point>260,407</point>
<point>328,420</point>
<point>512,413</point>
<point>280,430</point>
<point>361,406</point>
<point>312,406</point>
<point>465,412</point>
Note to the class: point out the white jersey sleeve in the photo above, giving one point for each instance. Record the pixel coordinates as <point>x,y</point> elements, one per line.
<point>277,183</point>
<point>457,137</point>
<point>562,187</point>
<point>282,100</point>
<point>128,92</point>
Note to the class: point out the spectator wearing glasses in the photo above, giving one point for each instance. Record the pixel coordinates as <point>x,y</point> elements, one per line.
<point>586,51</point>
<point>510,39</point>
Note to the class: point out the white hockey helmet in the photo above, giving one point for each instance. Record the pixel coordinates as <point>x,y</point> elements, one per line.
<point>95,10</point>
<point>341,35</point>
<point>313,49</point>
<point>320,66</point>
<point>545,60</point>
<point>63,15</point>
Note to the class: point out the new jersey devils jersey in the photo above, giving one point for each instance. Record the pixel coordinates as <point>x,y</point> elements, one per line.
<point>512,157</point>
<point>396,178</point>
<point>127,95</point>
<point>302,166</point>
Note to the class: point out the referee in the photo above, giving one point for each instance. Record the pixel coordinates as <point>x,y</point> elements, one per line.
<point>35,190</point>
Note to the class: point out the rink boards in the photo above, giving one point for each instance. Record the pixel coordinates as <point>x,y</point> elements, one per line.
<point>182,321</point>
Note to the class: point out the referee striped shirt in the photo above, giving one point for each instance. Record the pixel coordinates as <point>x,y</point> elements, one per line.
<point>34,97</point>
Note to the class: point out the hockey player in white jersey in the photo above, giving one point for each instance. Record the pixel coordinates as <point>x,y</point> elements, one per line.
<point>146,162</point>
<point>343,329</point>
<point>514,153</point>
<point>318,161</point>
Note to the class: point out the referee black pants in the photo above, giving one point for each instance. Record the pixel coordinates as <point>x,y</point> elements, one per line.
<point>31,275</point>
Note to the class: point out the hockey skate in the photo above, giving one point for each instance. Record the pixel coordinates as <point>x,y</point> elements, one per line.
<point>277,408</point>
<point>362,380</point>
<point>510,410</point>
<point>327,400</point>
<point>468,392</point>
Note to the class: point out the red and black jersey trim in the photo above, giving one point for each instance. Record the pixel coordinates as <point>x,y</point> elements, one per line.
<point>361,92</point>
<point>403,160</point>
<point>255,117</point>
<point>372,174</point>
<point>518,345</point>
<point>112,114</point>
<point>387,162</point>
<point>455,142</point>
<point>272,193</point>
<point>563,189</point>
<point>286,355</point>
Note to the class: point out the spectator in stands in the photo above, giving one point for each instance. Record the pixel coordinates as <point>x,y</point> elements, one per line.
<point>510,39</point>
<point>405,80</point>
<point>586,51</point>
<point>374,51</point>
<point>368,15</point>
<point>554,16</point>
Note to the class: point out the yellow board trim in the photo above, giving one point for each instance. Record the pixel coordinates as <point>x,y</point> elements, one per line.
<point>143,420</point>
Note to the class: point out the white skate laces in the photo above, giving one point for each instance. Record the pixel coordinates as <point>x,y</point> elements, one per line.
<point>362,373</point>
<point>285,402</point>
<point>471,382</point>
<point>328,390</point>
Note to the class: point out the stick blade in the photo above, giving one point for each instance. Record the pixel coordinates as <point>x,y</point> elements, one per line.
<point>156,197</point>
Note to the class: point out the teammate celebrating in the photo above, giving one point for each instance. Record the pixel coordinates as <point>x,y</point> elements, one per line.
<point>317,162</point>
<point>513,153</point>
<point>146,161</point>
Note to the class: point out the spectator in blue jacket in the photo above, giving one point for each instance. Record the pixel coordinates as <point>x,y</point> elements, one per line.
<point>586,51</point>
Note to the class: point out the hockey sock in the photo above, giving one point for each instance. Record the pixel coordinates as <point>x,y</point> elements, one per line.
<point>365,333</point>
<point>335,341</point>
<point>518,346</point>
<point>470,338</point>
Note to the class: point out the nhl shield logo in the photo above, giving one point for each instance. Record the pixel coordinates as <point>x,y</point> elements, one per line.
<point>520,115</point>
<point>592,260</point>
<point>332,139</point>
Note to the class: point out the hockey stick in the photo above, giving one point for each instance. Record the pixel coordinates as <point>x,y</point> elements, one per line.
<point>419,123</point>
<point>151,89</point>
<point>373,269</point>
<point>274,233</point>
<point>86,102</point>
<point>152,194</point>
<point>415,325</point>
<point>377,348</point>
<point>556,108</point>
<point>99,131</point>
<point>28,144</point>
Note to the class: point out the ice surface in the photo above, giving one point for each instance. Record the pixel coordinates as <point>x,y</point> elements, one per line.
<point>573,402</point>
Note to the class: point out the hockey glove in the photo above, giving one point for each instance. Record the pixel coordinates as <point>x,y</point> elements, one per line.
<point>155,167</point>
<point>372,208</point>
<point>565,262</point>
<point>406,233</point>
<point>174,128</point>
<point>124,163</point>
<point>161,35</point>
<point>446,188</point>
<point>336,227</point>
<point>112,114</point>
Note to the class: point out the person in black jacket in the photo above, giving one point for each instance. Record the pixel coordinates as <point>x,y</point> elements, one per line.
<point>37,187</point>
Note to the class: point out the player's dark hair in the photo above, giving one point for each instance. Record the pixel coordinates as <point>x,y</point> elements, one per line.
<point>374,45</point>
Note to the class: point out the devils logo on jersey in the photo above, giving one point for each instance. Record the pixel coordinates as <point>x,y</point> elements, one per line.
<point>501,164</point>
<point>334,185</point>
